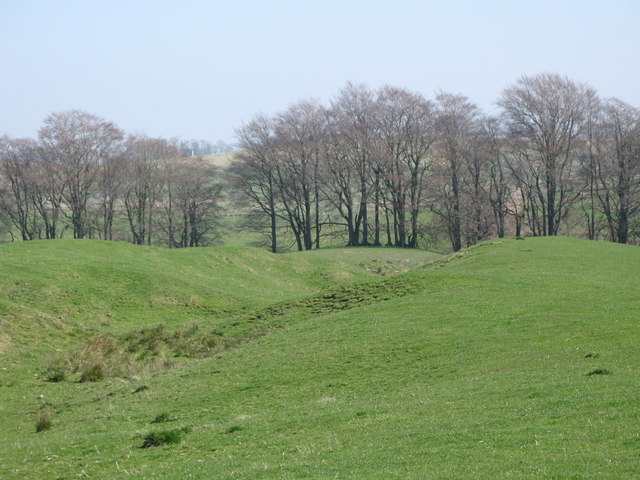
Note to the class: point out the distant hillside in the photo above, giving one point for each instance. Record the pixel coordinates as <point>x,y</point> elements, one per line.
<point>221,159</point>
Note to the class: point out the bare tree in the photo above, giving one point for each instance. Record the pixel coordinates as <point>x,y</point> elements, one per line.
<point>111,180</point>
<point>47,193</point>
<point>32,194</point>
<point>300,133</point>
<point>16,189</point>
<point>144,182</point>
<point>77,142</point>
<point>617,167</point>
<point>458,127</point>
<point>546,114</point>
<point>349,159</point>
<point>191,202</point>
<point>476,202</point>
<point>253,174</point>
<point>500,184</point>
<point>403,135</point>
<point>588,166</point>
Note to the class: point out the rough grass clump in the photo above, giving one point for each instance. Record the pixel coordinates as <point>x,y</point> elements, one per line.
<point>190,341</point>
<point>55,370</point>
<point>146,342</point>
<point>147,349</point>
<point>161,418</point>
<point>101,357</point>
<point>233,429</point>
<point>43,420</point>
<point>193,342</point>
<point>94,371</point>
<point>599,371</point>
<point>164,437</point>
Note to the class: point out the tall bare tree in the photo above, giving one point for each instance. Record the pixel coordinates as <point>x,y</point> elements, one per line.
<point>546,114</point>
<point>191,202</point>
<point>403,135</point>
<point>618,167</point>
<point>458,127</point>
<point>16,186</point>
<point>111,180</point>
<point>500,184</point>
<point>77,142</point>
<point>144,183</point>
<point>300,133</point>
<point>588,168</point>
<point>350,158</point>
<point>253,175</point>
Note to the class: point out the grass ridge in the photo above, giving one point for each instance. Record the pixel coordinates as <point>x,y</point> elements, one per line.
<point>152,348</point>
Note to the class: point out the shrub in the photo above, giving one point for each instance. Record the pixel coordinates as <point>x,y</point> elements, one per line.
<point>43,421</point>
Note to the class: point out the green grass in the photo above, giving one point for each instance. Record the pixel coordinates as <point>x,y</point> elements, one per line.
<point>480,365</point>
<point>55,292</point>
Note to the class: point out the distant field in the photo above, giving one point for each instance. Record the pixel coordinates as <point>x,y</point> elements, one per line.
<point>515,359</point>
<point>220,159</point>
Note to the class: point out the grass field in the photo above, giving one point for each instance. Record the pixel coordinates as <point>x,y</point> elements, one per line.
<point>515,359</point>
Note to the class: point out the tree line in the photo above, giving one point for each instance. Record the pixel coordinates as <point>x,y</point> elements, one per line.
<point>389,166</point>
<point>83,177</point>
<point>372,167</point>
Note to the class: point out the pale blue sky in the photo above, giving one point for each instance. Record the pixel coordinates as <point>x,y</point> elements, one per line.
<point>198,69</point>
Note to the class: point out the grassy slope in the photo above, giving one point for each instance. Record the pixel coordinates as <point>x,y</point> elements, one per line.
<point>481,372</point>
<point>54,291</point>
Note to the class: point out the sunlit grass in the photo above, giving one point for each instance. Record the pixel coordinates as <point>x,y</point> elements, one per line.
<point>516,359</point>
